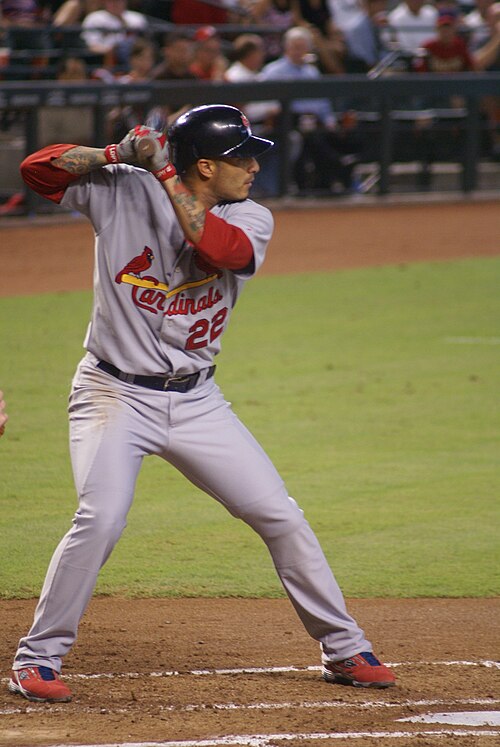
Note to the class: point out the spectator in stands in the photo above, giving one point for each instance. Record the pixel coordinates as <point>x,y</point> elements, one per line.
<point>313,13</point>
<point>208,63</point>
<point>141,64</point>
<point>177,52</point>
<point>248,55</point>
<point>413,21</point>
<point>346,13</point>
<point>71,124</point>
<point>486,52</point>
<point>318,164</point>
<point>123,119</point>
<point>476,22</point>
<point>329,41</point>
<point>276,14</point>
<point>72,13</point>
<point>446,52</point>
<point>24,22</point>
<point>487,55</point>
<point>112,31</point>
<point>72,68</point>
<point>368,39</point>
<point>197,11</point>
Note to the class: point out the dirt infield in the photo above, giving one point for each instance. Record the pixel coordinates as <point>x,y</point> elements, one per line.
<point>150,655</point>
<point>171,672</point>
<point>47,257</point>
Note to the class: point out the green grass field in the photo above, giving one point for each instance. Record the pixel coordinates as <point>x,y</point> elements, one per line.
<point>375,392</point>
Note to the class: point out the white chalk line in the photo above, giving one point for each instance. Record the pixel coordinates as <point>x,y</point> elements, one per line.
<point>489,664</point>
<point>269,740</point>
<point>267,670</point>
<point>297,705</point>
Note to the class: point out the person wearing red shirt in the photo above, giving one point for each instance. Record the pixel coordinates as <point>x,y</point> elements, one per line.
<point>194,11</point>
<point>447,52</point>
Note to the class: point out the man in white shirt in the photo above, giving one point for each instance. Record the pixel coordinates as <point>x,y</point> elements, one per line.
<point>346,13</point>
<point>413,22</point>
<point>249,53</point>
<point>112,31</point>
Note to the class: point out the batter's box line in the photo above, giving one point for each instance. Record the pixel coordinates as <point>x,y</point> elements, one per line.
<point>264,670</point>
<point>275,670</point>
<point>269,740</point>
<point>296,705</point>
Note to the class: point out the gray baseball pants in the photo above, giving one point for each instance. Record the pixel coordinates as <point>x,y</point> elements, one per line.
<point>113,425</point>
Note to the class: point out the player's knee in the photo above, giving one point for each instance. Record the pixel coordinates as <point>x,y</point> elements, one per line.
<point>100,527</point>
<point>274,516</point>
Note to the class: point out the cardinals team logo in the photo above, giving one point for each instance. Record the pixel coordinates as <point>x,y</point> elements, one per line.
<point>151,294</point>
<point>137,265</point>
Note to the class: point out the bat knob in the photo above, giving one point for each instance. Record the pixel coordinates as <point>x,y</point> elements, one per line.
<point>145,147</point>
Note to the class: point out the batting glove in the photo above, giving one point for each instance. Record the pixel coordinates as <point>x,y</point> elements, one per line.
<point>153,150</point>
<point>124,151</point>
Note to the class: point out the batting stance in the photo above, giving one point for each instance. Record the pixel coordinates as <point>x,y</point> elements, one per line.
<point>176,239</point>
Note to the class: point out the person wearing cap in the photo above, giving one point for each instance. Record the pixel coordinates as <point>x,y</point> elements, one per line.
<point>447,52</point>
<point>209,63</point>
<point>176,241</point>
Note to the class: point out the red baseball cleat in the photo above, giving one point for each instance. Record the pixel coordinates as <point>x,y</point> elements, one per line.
<point>40,684</point>
<point>361,670</point>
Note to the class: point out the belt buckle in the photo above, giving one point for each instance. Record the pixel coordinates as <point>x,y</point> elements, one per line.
<point>170,379</point>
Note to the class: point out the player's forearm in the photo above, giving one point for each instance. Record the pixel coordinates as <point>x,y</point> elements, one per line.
<point>41,170</point>
<point>81,160</point>
<point>188,208</point>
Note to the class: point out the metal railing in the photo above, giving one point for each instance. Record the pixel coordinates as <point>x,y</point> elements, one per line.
<point>382,97</point>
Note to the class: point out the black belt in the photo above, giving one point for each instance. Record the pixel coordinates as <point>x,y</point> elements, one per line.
<point>180,384</point>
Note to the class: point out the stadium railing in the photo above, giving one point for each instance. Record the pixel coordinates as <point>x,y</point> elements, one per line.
<point>380,99</point>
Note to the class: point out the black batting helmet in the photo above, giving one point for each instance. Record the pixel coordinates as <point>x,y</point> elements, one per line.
<point>211,131</point>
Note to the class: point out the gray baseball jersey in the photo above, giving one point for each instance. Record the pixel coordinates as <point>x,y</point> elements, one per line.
<point>158,308</point>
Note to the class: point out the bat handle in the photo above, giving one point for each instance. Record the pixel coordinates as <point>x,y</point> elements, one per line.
<point>145,147</point>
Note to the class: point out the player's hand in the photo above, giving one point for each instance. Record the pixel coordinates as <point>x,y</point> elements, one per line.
<point>153,150</point>
<point>3,415</point>
<point>124,151</point>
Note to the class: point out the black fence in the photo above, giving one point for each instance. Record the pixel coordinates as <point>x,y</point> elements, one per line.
<point>389,109</point>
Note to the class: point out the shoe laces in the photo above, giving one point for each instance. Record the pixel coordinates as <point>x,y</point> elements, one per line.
<point>46,673</point>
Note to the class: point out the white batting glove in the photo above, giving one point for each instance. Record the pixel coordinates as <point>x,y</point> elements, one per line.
<point>153,150</point>
<point>124,151</point>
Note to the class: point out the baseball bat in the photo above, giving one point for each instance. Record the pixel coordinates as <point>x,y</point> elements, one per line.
<point>156,120</point>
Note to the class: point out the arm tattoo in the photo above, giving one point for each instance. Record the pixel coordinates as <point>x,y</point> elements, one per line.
<point>191,208</point>
<point>81,160</point>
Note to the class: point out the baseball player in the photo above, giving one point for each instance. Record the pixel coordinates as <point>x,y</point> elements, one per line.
<point>176,240</point>
<point>3,415</point>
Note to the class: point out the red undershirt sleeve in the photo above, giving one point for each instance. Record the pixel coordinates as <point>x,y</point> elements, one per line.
<point>43,177</point>
<point>223,245</point>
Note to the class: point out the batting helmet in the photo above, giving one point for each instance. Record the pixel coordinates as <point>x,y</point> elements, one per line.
<point>212,131</point>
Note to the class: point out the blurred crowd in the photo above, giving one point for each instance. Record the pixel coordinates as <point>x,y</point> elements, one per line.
<point>116,41</point>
